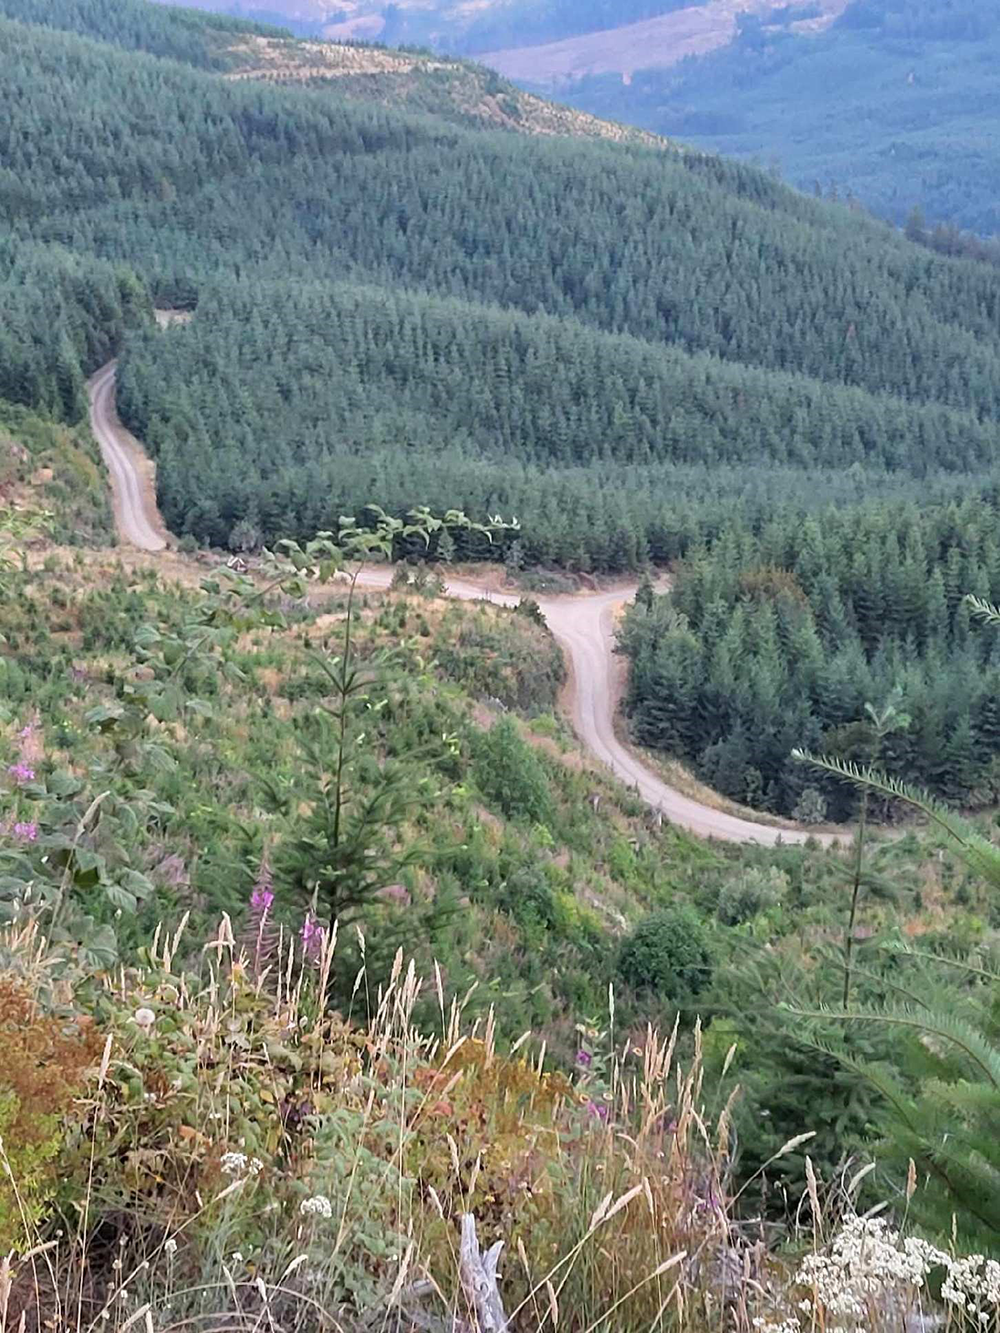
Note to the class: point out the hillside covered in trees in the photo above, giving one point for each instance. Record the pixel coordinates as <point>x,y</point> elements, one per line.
<point>644,353</point>
<point>319,936</point>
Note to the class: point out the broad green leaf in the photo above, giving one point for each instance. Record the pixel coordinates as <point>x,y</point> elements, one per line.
<point>99,952</point>
<point>120,897</point>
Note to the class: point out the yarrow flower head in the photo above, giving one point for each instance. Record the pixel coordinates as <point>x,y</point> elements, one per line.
<point>239,1164</point>
<point>21,772</point>
<point>867,1264</point>
<point>26,832</point>
<point>972,1283</point>
<point>318,1206</point>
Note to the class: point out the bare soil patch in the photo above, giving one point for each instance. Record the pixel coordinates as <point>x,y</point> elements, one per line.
<point>652,44</point>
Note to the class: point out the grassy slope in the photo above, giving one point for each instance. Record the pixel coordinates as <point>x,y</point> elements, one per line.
<point>532,906</point>
<point>546,946</point>
<point>56,469</point>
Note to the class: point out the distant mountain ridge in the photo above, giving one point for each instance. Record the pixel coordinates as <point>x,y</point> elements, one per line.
<point>659,42</point>
<point>894,104</point>
<point>887,101</point>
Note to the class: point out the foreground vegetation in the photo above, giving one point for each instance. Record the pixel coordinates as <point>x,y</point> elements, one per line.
<point>173,751</point>
<point>243,812</point>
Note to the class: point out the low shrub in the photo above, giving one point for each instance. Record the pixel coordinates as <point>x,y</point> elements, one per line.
<point>667,954</point>
<point>510,775</point>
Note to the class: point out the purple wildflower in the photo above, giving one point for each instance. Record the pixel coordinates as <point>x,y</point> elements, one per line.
<point>262,896</point>
<point>583,1059</point>
<point>26,832</point>
<point>313,937</point>
<point>21,773</point>
<point>26,732</point>
<point>597,1111</point>
<point>261,899</point>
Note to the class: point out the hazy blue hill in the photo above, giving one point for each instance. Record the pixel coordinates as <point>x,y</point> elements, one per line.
<point>895,104</point>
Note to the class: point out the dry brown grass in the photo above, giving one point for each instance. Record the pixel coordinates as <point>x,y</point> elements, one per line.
<point>395,77</point>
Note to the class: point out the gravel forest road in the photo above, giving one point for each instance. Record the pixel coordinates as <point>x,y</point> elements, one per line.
<point>583,624</point>
<point>136,517</point>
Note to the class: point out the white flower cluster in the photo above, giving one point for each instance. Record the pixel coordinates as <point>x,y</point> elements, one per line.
<point>870,1271</point>
<point>973,1282</point>
<point>786,1326</point>
<point>867,1263</point>
<point>318,1206</point>
<point>239,1164</point>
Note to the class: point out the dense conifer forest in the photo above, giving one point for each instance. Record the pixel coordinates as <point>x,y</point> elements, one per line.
<point>646,354</point>
<point>778,640</point>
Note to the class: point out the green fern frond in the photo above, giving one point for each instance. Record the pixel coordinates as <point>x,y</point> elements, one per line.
<point>978,853</point>
<point>947,1028</point>
<point>984,611</point>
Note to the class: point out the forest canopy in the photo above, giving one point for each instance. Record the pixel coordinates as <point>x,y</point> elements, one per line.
<point>647,355</point>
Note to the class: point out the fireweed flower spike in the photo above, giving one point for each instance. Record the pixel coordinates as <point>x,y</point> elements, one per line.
<point>312,936</point>
<point>21,772</point>
<point>262,896</point>
<point>26,832</point>
<point>261,899</point>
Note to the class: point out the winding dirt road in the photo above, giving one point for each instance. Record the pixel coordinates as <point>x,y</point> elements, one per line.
<point>136,516</point>
<point>583,624</point>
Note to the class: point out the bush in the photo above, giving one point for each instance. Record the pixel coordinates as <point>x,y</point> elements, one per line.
<point>45,1061</point>
<point>667,953</point>
<point>749,894</point>
<point>510,775</point>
